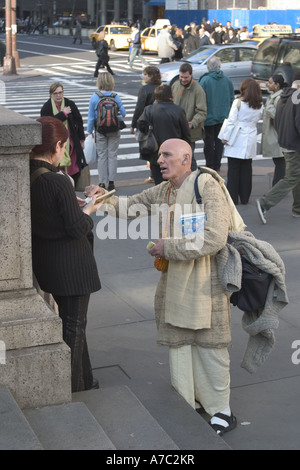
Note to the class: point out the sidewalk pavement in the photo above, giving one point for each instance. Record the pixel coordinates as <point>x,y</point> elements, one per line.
<point>122,333</point>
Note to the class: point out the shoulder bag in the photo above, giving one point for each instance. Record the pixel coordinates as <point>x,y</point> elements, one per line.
<point>234,132</point>
<point>147,142</point>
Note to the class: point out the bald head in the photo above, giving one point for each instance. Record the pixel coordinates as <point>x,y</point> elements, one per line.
<point>177,146</point>
<point>175,156</point>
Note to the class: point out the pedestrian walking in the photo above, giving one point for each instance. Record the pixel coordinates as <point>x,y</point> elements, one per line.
<point>219,97</point>
<point>287,125</point>
<point>136,50</point>
<point>77,34</point>
<point>102,53</point>
<point>66,111</point>
<point>152,79</point>
<point>168,120</point>
<point>245,113</point>
<point>165,45</point>
<point>191,97</point>
<point>269,143</point>
<point>107,144</point>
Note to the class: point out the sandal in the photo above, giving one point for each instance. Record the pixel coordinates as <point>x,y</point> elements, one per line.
<point>219,428</point>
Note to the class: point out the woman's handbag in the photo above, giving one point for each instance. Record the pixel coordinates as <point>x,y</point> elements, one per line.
<point>234,131</point>
<point>84,179</point>
<point>90,152</point>
<point>147,143</point>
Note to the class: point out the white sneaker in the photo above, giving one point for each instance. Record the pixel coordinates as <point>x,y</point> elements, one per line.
<point>295,215</point>
<point>261,212</point>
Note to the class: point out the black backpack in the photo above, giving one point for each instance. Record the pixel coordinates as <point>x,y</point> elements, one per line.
<point>107,114</point>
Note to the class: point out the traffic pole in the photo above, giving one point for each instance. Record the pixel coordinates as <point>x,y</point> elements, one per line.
<point>14,29</point>
<point>9,63</point>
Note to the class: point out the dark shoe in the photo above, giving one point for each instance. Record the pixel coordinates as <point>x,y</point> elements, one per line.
<point>102,185</point>
<point>220,430</point>
<point>95,75</point>
<point>95,385</point>
<point>111,186</point>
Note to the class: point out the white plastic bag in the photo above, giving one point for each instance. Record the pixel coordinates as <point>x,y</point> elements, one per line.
<point>90,149</point>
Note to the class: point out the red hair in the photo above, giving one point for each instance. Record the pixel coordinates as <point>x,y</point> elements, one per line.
<point>53,131</point>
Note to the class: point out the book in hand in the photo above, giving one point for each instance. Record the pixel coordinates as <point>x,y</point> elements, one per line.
<point>102,197</point>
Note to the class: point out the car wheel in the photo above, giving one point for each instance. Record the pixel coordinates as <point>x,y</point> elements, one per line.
<point>94,43</point>
<point>175,79</point>
<point>113,45</point>
<point>287,72</point>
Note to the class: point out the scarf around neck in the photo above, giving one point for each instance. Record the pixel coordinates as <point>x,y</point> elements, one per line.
<point>66,160</point>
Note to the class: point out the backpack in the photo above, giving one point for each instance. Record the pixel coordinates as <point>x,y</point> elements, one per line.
<point>107,114</point>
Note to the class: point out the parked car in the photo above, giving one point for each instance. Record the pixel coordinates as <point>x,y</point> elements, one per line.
<point>236,62</point>
<point>117,36</point>
<point>277,55</point>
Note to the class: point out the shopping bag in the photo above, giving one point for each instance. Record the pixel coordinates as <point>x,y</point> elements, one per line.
<point>90,152</point>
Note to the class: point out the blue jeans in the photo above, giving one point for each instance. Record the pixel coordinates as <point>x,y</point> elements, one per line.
<point>136,52</point>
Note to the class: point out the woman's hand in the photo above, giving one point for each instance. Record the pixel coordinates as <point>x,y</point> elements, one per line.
<point>67,110</point>
<point>92,206</point>
<point>81,202</point>
<point>224,141</point>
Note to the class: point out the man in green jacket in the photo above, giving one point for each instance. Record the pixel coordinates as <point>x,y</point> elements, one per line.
<point>190,96</point>
<point>219,97</point>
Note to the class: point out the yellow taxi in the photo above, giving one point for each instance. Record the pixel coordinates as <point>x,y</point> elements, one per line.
<point>264,31</point>
<point>149,35</point>
<point>117,36</point>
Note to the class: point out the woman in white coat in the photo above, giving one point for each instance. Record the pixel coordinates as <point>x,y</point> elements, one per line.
<point>245,112</point>
<point>270,146</point>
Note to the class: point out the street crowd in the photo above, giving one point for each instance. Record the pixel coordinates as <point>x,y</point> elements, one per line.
<point>192,308</point>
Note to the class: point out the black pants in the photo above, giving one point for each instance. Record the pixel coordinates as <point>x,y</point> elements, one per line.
<point>239,179</point>
<point>279,171</point>
<point>101,63</point>
<point>213,147</point>
<point>73,312</point>
<point>156,173</point>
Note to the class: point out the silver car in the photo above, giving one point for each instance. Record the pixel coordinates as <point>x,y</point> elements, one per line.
<point>236,62</point>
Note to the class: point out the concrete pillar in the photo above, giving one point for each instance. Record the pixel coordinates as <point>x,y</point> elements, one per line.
<point>117,11</point>
<point>130,10</point>
<point>103,13</point>
<point>37,362</point>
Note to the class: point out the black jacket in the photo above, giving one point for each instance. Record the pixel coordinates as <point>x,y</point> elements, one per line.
<point>62,257</point>
<point>168,119</point>
<point>145,97</point>
<point>287,119</point>
<point>102,50</point>
<point>75,123</point>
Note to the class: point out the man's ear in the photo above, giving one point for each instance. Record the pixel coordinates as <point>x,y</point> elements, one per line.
<point>186,159</point>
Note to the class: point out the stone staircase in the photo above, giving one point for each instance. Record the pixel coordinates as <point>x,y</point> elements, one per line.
<point>108,419</point>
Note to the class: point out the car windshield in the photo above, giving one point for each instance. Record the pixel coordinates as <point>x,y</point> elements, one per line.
<point>120,30</point>
<point>200,55</point>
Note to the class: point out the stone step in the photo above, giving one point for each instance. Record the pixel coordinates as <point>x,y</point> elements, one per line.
<point>125,420</point>
<point>68,427</point>
<point>15,431</point>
